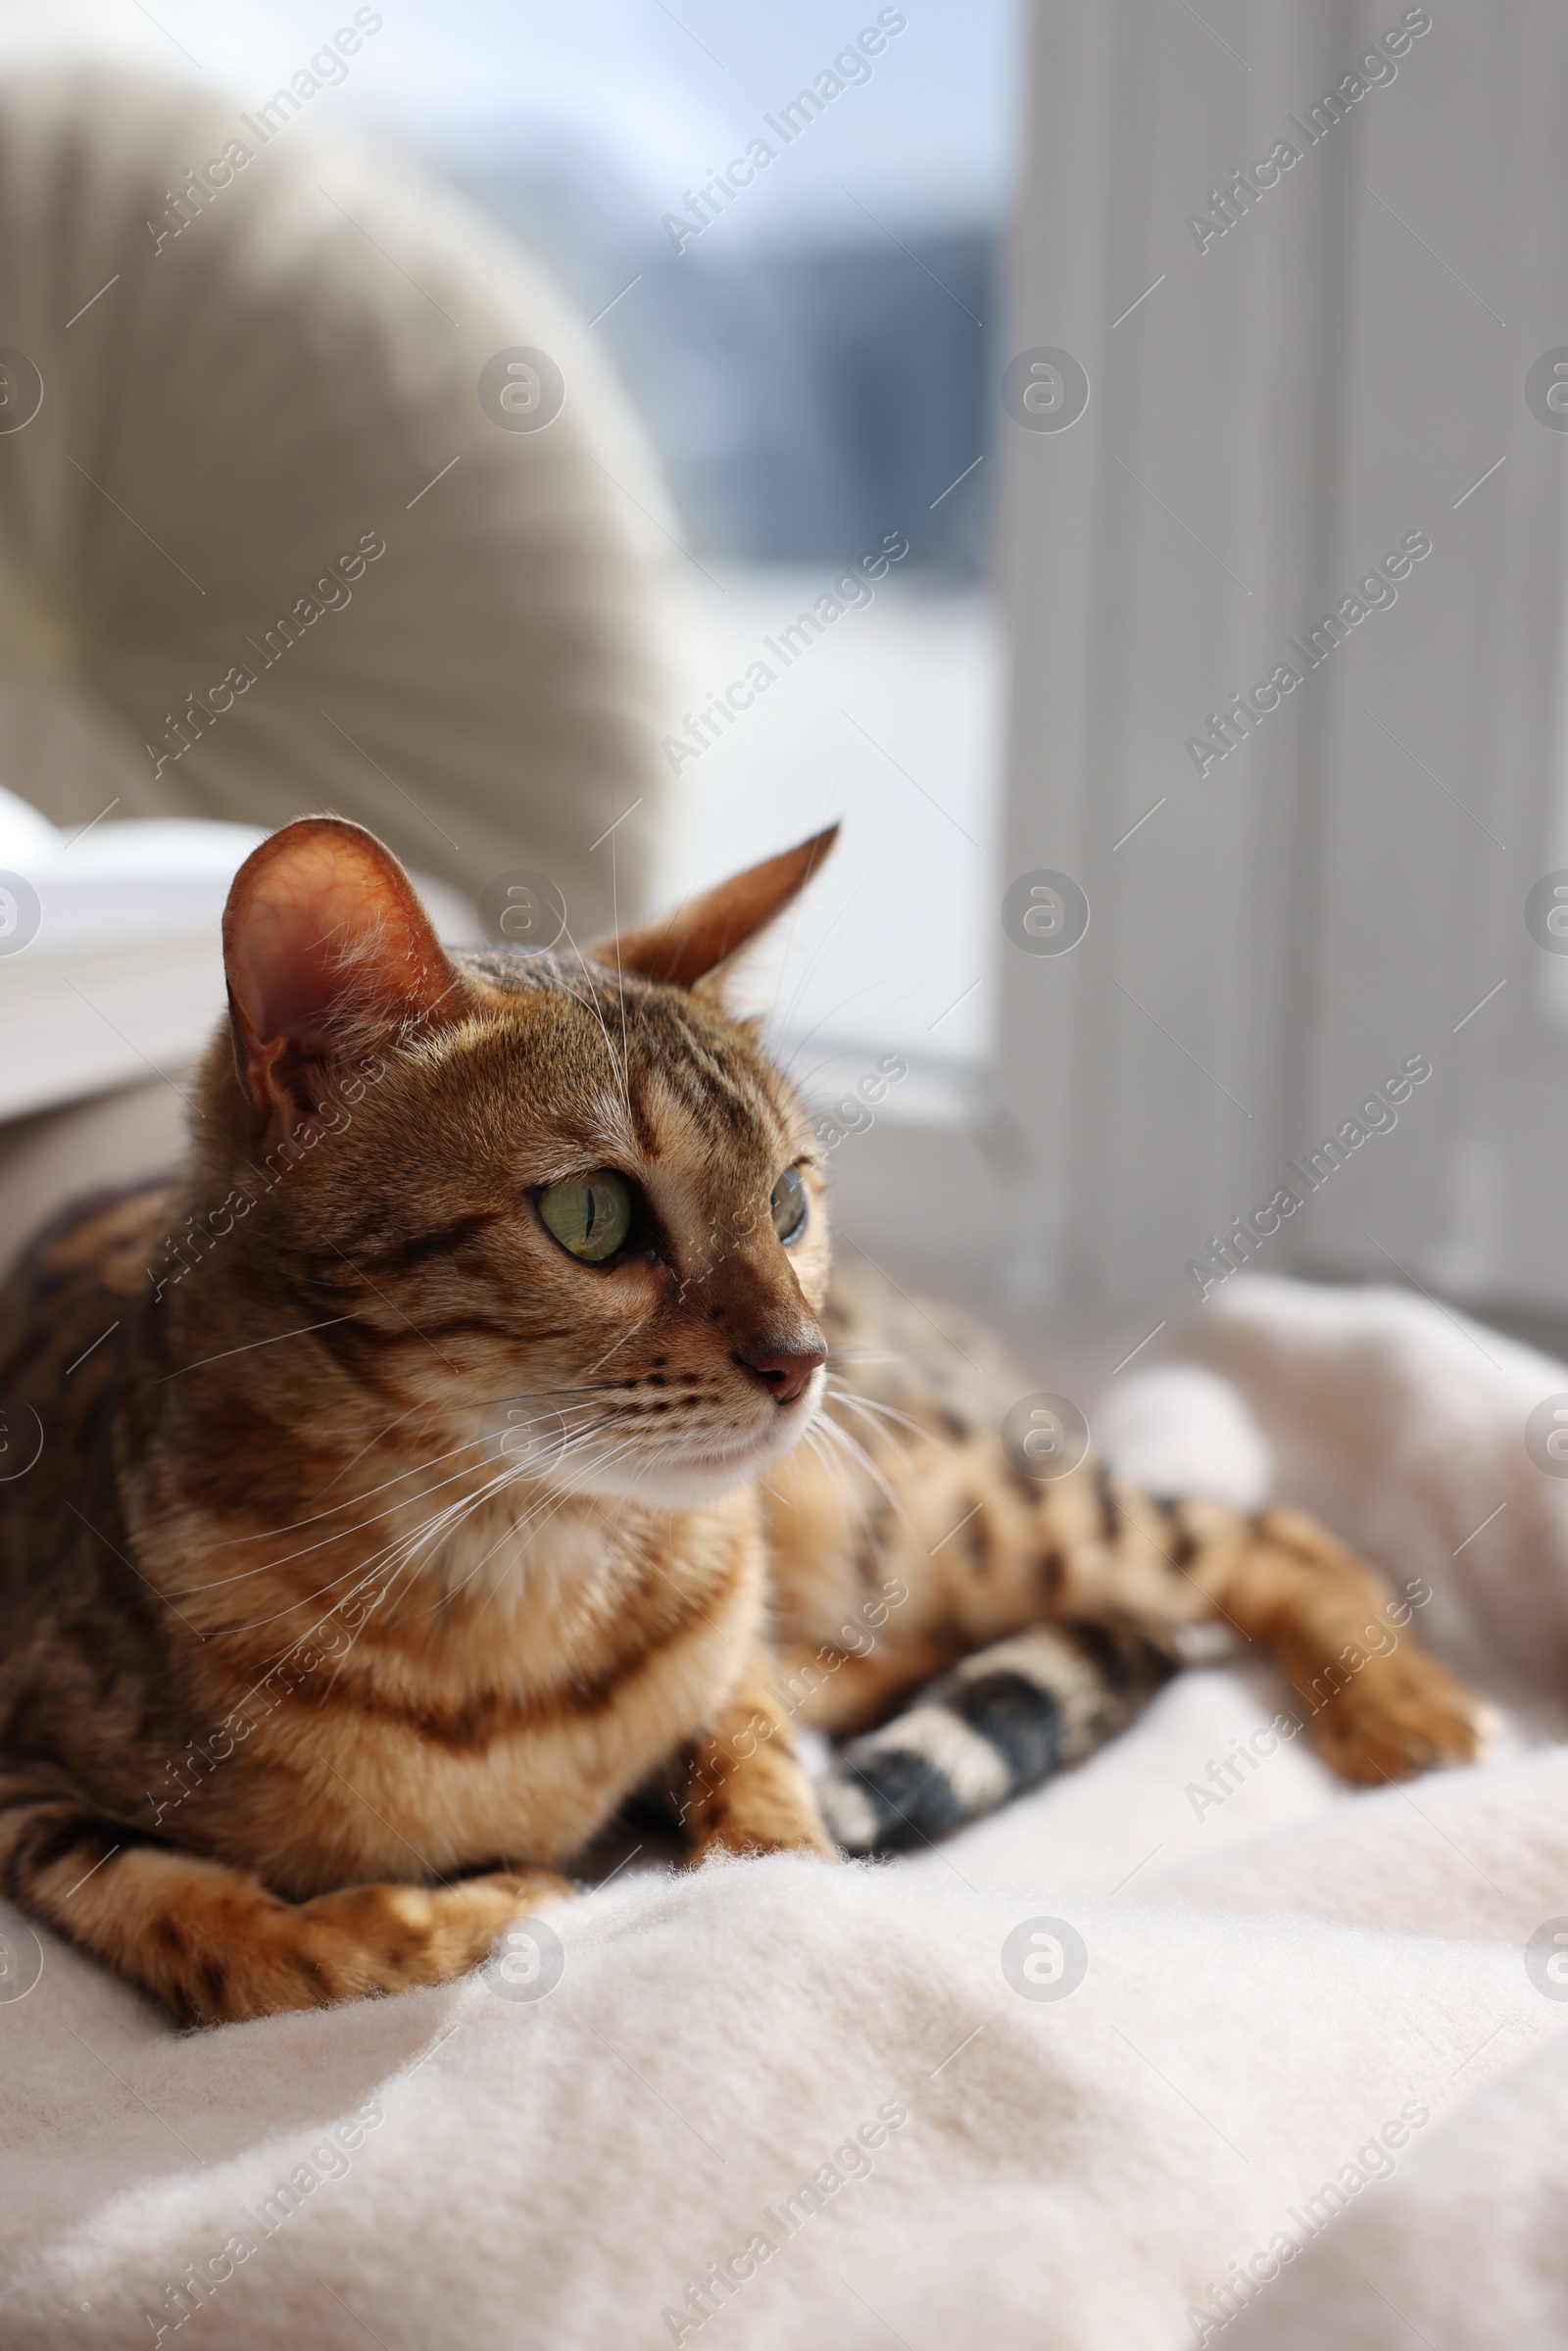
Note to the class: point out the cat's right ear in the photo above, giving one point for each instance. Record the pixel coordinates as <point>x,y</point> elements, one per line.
<point>327,950</point>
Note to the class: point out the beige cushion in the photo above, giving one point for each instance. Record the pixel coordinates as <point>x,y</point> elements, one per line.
<point>264,393</point>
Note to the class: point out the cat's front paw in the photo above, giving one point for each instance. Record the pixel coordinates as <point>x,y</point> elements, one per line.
<point>764,1812</point>
<point>737,1837</point>
<point>1397,1715</point>
<point>370,1938</point>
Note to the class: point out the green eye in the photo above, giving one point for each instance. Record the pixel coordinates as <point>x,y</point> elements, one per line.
<point>789,1205</point>
<point>590,1215</point>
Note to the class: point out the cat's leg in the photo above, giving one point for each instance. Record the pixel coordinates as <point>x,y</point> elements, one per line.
<point>1378,1704</point>
<point>744,1790</point>
<point>1125,1573</point>
<point>213,1943</point>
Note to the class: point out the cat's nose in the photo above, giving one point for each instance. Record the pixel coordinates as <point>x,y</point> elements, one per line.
<point>784,1369</point>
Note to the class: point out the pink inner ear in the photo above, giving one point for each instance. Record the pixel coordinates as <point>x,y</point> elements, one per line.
<point>288,958</point>
<point>322,923</point>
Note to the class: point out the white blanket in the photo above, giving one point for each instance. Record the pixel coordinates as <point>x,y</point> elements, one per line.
<point>1306,2078</point>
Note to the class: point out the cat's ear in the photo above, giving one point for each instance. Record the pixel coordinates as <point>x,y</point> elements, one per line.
<point>691,948</point>
<point>327,951</point>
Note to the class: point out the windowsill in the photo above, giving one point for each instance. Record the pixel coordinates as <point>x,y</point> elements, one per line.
<point>123,977</point>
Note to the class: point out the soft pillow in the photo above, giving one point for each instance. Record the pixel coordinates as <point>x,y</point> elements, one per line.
<point>262,455</point>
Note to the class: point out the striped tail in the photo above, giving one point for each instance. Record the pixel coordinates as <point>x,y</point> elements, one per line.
<point>999,1724</point>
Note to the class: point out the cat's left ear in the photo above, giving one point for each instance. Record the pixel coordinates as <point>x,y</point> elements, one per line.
<point>694,946</point>
<point>327,951</point>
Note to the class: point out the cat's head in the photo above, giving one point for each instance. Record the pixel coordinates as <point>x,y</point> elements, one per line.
<point>563,1203</point>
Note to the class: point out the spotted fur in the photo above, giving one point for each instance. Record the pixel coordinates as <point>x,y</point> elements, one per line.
<point>379,1550</point>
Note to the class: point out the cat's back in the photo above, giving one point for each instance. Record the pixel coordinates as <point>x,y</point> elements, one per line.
<point>91,1259</point>
<point>66,1307</point>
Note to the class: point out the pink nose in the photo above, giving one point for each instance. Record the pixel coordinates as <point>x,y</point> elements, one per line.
<point>785,1371</point>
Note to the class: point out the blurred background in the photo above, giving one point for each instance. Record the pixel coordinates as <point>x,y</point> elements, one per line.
<point>1082,373</point>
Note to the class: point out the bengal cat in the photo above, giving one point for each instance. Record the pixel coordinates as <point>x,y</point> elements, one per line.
<point>419,1475</point>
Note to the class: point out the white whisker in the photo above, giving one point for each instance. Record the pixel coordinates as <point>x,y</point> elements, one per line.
<point>858,1454</point>
<point>872,1404</point>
